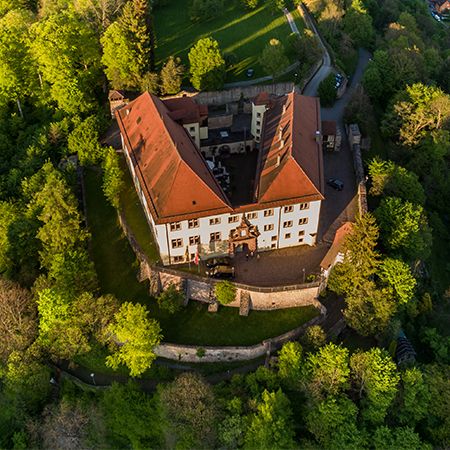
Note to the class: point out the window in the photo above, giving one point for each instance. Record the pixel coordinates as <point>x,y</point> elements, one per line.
<point>288,209</point>
<point>193,223</point>
<point>273,246</point>
<point>287,224</point>
<point>175,226</point>
<point>214,237</point>
<point>303,221</point>
<point>178,259</point>
<point>177,243</point>
<point>301,233</point>
<point>274,238</point>
<point>268,227</point>
<point>214,221</point>
<point>258,115</point>
<point>300,240</point>
<point>268,212</point>
<point>193,240</point>
<point>233,219</point>
<point>304,205</point>
<point>252,215</point>
<point>287,236</point>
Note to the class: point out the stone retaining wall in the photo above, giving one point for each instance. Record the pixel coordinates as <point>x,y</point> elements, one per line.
<point>188,353</point>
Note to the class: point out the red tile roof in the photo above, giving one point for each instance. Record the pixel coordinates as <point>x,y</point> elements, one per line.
<point>172,173</point>
<point>290,162</point>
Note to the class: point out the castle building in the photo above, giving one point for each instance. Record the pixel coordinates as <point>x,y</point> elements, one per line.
<point>216,183</point>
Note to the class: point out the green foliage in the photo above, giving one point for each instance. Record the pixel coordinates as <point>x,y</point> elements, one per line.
<point>327,370</point>
<point>417,111</point>
<point>327,90</point>
<point>386,438</point>
<point>271,426</point>
<point>84,141</point>
<point>376,379</point>
<point>172,76</point>
<point>207,66</point>
<point>404,228</point>
<point>361,259</point>
<point>225,292</point>
<point>273,58</point>
<point>129,37</point>
<point>289,361</point>
<point>202,10</point>
<point>131,417</point>
<point>133,337</point>
<point>171,299</point>
<point>389,179</point>
<point>396,275</point>
<point>74,76</point>
<point>113,182</point>
<point>190,409</point>
<point>333,417</point>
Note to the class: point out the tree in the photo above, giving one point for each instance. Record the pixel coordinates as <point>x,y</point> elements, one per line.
<point>273,58</point>
<point>225,292</point>
<point>207,66</point>
<point>375,378</point>
<point>361,259</point>
<point>327,90</point>
<point>84,141</point>
<point>396,275</point>
<point>271,426</point>
<point>131,417</point>
<point>17,66</point>
<point>131,38</point>
<point>172,76</point>
<point>18,324</point>
<point>289,361</point>
<point>333,417</point>
<point>327,370</point>
<point>171,299</point>
<point>413,398</point>
<point>202,10</point>
<point>385,438</point>
<point>389,179</point>
<point>357,23</point>
<point>113,182</point>
<point>404,228</point>
<point>314,338</point>
<point>133,338</point>
<point>190,408</point>
<point>75,75</point>
<point>416,111</point>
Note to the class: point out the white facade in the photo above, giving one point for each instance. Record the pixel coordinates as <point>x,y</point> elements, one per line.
<point>279,227</point>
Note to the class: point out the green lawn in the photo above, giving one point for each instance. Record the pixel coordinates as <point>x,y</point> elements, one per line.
<point>239,31</point>
<point>116,266</point>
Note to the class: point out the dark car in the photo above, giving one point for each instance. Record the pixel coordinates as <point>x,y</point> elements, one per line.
<point>335,184</point>
<point>221,271</point>
<point>250,72</point>
<point>225,261</point>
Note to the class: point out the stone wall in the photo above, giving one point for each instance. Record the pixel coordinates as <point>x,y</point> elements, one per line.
<point>188,353</point>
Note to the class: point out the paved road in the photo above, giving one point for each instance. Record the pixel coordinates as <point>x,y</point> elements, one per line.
<point>313,85</point>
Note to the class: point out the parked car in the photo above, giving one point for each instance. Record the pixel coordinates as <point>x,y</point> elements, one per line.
<point>225,261</point>
<point>221,271</point>
<point>250,72</point>
<point>335,184</point>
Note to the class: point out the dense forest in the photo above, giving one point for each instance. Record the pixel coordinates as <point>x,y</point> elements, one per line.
<point>58,59</point>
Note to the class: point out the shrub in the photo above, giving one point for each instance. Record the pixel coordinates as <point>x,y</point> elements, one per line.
<point>225,292</point>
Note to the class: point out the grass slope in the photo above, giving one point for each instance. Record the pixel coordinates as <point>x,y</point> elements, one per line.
<point>239,31</point>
